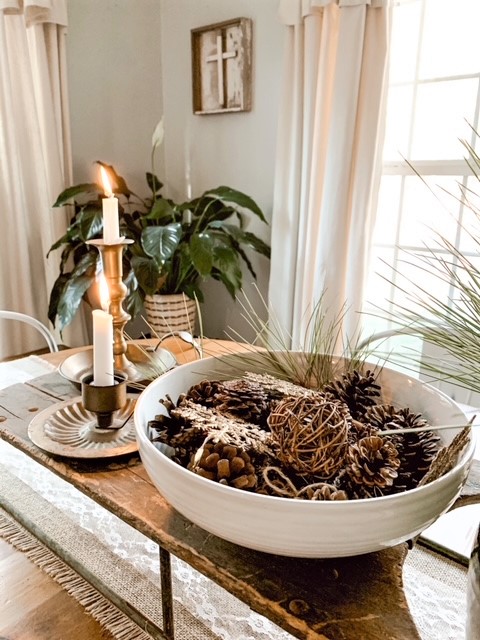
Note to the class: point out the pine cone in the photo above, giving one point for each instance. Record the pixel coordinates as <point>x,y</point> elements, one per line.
<point>226,464</point>
<point>373,462</point>
<point>415,450</point>
<point>243,399</point>
<point>186,443</point>
<point>203,392</point>
<point>165,426</point>
<point>357,391</point>
<point>322,491</point>
<point>360,429</point>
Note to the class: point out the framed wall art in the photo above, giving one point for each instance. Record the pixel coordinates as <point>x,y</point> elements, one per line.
<point>222,67</point>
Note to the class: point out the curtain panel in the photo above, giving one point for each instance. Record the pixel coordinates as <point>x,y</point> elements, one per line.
<point>35,159</point>
<point>328,160</point>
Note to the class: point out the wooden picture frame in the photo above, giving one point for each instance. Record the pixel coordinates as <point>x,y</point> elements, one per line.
<point>222,67</point>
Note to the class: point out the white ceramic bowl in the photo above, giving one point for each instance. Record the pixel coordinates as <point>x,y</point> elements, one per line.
<point>302,528</point>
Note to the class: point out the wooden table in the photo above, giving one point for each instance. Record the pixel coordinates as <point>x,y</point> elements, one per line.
<point>336,599</point>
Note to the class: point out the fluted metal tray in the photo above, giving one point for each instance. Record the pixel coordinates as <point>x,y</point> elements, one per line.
<point>68,429</point>
<point>145,365</point>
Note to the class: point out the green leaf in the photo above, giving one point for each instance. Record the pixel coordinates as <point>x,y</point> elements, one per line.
<point>134,298</point>
<point>87,264</point>
<point>70,193</point>
<point>161,209</point>
<point>227,268</point>
<point>227,194</point>
<point>71,298</point>
<point>153,182</point>
<point>201,253</point>
<point>232,284</point>
<point>160,242</point>
<point>192,290</point>
<point>90,222</point>
<point>243,237</point>
<point>55,296</point>
<point>134,303</point>
<point>63,240</point>
<point>146,272</point>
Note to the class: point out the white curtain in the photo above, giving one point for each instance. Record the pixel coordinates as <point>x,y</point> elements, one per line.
<point>35,159</point>
<point>328,158</point>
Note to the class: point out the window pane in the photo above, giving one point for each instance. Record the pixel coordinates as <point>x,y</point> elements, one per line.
<point>441,113</point>
<point>387,211</point>
<point>470,235</point>
<point>417,281</point>
<point>379,288</point>
<point>450,44</point>
<point>425,214</point>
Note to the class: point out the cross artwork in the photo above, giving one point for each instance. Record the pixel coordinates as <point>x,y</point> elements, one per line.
<point>221,62</point>
<point>219,56</point>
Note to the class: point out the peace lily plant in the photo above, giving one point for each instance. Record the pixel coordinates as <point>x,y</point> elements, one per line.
<point>176,248</point>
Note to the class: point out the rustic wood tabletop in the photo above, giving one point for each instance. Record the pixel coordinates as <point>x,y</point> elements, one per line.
<point>347,598</point>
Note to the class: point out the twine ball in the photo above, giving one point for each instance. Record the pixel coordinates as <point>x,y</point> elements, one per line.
<point>311,434</point>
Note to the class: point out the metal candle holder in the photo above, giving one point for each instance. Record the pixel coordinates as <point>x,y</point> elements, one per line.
<point>104,401</point>
<point>111,255</point>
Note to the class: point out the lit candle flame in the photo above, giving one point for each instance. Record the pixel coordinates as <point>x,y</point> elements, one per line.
<point>107,187</point>
<point>104,293</point>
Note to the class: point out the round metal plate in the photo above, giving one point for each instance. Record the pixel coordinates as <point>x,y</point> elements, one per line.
<point>68,429</point>
<point>146,365</point>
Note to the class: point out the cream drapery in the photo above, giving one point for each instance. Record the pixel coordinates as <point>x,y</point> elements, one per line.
<point>35,159</point>
<point>328,158</point>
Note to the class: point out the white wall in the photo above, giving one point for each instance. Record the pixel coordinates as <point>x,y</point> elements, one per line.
<point>115,85</point>
<point>129,62</point>
<point>234,149</point>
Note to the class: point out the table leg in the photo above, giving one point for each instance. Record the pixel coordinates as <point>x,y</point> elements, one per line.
<point>167,596</point>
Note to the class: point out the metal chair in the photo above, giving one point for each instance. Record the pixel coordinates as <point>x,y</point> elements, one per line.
<point>33,322</point>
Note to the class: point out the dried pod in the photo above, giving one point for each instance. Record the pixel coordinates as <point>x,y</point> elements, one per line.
<point>226,464</point>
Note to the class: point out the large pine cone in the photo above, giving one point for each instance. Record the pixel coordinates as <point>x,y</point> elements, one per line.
<point>178,431</point>
<point>373,463</point>
<point>242,399</point>
<point>203,392</point>
<point>225,464</point>
<point>357,391</point>
<point>416,450</point>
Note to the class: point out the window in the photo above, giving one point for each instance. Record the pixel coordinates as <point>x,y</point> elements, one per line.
<point>433,101</point>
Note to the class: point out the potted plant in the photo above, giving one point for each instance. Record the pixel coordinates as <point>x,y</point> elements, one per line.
<point>177,246</point>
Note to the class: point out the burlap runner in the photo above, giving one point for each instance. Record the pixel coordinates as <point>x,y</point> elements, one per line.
<point>118,575</point>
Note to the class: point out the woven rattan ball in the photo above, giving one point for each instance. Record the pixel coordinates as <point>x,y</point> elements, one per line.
<point>311,433</point>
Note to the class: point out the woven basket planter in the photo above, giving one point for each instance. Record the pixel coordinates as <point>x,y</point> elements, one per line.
<point>173,312</point>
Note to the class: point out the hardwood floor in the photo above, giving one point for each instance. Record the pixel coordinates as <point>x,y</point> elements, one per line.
<point>34,607</point>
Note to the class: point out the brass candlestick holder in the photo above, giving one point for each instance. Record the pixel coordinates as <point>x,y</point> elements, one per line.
<point>111,255</point>
<point>132,360</point>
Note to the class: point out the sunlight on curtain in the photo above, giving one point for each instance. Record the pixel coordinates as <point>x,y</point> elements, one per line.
<point>35,159</point>
<point>328,162</point>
